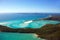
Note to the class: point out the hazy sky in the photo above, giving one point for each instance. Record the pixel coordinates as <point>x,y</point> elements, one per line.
<point>12,6</point>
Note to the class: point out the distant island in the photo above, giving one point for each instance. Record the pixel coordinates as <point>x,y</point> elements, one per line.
<point>52,17</point>
<point>48,31</point>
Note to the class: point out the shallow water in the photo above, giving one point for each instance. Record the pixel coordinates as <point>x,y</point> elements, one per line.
<point>27,24</point>
<point>19,21</point>
<point>17,36</point>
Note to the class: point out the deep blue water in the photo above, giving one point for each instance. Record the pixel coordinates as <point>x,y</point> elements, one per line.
<point>24,16</point>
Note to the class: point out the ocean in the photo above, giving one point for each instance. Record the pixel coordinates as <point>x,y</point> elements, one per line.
<point>17,36</point>
<point>23,20</point>
<point>24,16</point>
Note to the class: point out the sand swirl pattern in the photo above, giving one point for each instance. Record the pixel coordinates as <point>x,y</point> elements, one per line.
<point>27,24</point>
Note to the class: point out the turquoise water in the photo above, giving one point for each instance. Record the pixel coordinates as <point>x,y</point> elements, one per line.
<point>18,20</point>
<point>17,36</point>
<point>23,24</point>
<point>27,24</point>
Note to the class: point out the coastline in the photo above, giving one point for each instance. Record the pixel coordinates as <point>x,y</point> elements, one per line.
<point>44,32</point>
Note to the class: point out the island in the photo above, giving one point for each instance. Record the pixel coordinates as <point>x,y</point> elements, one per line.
<point>48,31</point>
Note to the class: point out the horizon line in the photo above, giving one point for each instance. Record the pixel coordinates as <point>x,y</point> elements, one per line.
<point>29,12</point>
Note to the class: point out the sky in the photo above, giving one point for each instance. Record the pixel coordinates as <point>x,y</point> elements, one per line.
<point>29,6</point>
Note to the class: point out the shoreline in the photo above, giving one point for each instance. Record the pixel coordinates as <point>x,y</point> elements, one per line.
<point>48,31</point>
